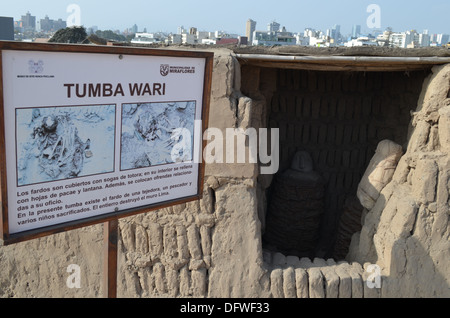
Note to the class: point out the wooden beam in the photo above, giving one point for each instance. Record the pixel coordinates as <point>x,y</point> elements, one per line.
<point>342,63</point>
<point>338,67</point>
<point>110,235</point>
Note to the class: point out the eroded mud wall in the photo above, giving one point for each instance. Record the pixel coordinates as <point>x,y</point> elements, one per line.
<point>407,230</point>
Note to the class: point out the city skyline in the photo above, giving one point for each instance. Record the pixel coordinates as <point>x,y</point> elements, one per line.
<point>232,16</point>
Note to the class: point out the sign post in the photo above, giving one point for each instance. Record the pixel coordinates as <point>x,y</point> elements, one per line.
<point>90,134</point>
<point>110,236</point>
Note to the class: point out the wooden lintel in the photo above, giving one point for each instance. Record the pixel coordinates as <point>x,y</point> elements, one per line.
<point>110,238</point>
<point>339,67</point>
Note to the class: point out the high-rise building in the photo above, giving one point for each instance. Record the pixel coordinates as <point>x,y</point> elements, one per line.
<point>59,24</point>
<point>46,24</point>
<point>442,39</point>
<point>356,31</point>
<point>49,25</point>
<point>28,22</point>
<point>335,32</point>
<point>273,27</point>
<point>424,39</point>
<point>398,40</point>
<point>181,30</point>
<point>408,39</point>
<point>249,29</point>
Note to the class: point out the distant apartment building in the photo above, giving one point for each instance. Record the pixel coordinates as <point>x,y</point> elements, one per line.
<point>28,22</point>
<point>442,39</point>
<point>174,39</point>
<point>144,38</point>
<point>49,25</point>
<point>153,38</point>
<point>335,32</point>
<point>273,38</point>
<point>301,40</point>
<point>273,27</point>
<point>189,38</point>
<point>356,31</point>
<point>6,29</point>
<point>424,40</point>
<point>203,35</point>
<point>361,41</point>
<point>309,32</point>
<point>193,36</point>
<point>399,40</point>
<point>410,39</point>
<point>249,29</point>
<point>311,37</point>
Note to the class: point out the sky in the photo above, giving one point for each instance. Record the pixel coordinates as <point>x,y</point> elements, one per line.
<point>231,15</point>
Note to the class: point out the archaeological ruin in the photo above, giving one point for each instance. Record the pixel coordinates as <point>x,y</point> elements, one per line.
<point>363,184</point>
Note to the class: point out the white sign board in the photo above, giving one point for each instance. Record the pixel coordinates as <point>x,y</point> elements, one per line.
<point>90,134</point>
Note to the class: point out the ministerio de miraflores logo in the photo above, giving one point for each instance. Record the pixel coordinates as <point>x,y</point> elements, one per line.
<point>164,69</point>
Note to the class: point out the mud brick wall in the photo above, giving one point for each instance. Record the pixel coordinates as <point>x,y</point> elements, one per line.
<point>167,254</point>
<point>294,277</point>
<point>339,118</point>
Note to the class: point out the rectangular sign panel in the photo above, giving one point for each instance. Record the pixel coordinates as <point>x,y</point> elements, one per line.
<point>93,132</point>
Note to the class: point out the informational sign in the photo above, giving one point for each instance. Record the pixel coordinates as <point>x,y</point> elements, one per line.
<point>95,132</point>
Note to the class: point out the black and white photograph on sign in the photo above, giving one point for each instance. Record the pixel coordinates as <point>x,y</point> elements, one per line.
<point>156,134</point>
<point>57,143</point>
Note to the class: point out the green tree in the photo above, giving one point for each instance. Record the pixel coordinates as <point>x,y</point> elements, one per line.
<point>70,35</point>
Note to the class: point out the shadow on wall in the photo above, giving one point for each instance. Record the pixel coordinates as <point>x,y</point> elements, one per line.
<point>338,118</point>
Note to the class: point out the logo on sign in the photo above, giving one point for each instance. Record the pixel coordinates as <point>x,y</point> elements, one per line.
<point>164,69</point>
<point>35,67</point>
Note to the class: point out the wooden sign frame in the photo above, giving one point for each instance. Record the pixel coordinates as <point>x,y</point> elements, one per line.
<point>87,51</point>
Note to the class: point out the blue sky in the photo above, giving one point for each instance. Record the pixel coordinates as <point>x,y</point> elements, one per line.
<point>231,15</point>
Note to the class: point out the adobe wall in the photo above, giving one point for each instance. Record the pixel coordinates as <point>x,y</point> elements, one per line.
<point>406,231</point>
<point>213,247</point>
<point>339,118</point>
